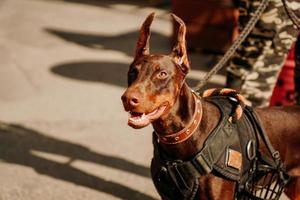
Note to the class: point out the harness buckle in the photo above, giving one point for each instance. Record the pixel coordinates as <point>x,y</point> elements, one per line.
<point>202,165</point>
<point>174,170</point>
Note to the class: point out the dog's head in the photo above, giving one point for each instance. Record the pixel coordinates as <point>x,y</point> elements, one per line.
<point>154,80</point>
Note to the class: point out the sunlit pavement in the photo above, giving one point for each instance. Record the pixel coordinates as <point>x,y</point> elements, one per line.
<point>63,132</point>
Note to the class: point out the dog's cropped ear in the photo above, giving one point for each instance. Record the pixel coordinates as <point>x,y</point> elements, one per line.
<point>142,47</point>
<point>179,50</point>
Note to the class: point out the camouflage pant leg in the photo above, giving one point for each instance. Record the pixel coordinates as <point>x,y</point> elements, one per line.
<point>254,67</point>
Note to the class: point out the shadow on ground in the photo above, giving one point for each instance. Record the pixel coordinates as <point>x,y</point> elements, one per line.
<point>112,73</point>
<point>18,142</point>
<point>124,42</point>
<point>106,72</point>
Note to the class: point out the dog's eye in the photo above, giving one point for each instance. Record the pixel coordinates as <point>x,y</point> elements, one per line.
<point>132,75</point>
<point>162,74</point>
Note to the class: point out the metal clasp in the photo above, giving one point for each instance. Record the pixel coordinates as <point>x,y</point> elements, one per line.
<point>251,150</point>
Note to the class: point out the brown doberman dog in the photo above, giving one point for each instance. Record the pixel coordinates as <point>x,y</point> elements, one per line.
<point>157,94</point>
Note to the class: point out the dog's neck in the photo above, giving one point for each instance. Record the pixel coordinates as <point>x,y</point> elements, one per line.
<point>180,114</point>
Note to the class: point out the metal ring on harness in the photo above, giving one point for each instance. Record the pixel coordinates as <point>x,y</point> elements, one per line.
<point>251,150</point>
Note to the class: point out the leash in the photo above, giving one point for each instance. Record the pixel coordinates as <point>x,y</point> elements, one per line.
<point>248,28</point>
<point>291,14</point>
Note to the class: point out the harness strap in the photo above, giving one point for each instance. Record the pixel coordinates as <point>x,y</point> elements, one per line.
<point>264,169</point>
<point>205,161</point>
<point>178,179</point>
<point>256,123</point>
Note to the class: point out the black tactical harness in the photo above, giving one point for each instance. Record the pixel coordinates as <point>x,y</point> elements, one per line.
<point>178,179</point>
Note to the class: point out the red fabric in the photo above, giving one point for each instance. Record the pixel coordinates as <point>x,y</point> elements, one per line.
<point>284,91</point>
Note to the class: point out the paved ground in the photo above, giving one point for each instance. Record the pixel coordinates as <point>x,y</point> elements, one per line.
<point>63,132</point>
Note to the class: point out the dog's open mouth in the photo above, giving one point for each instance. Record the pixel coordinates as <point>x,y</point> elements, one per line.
<point>140,120</point>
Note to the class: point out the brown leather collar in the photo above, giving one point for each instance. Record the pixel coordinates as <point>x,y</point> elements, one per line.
<point>188,131</point>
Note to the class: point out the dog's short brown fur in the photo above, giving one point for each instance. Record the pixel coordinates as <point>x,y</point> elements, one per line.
<point>157,88</point>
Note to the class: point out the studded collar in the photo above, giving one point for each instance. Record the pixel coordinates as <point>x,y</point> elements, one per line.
<point>188,131</point>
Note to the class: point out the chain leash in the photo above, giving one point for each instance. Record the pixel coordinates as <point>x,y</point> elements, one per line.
<point>248,28</point>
